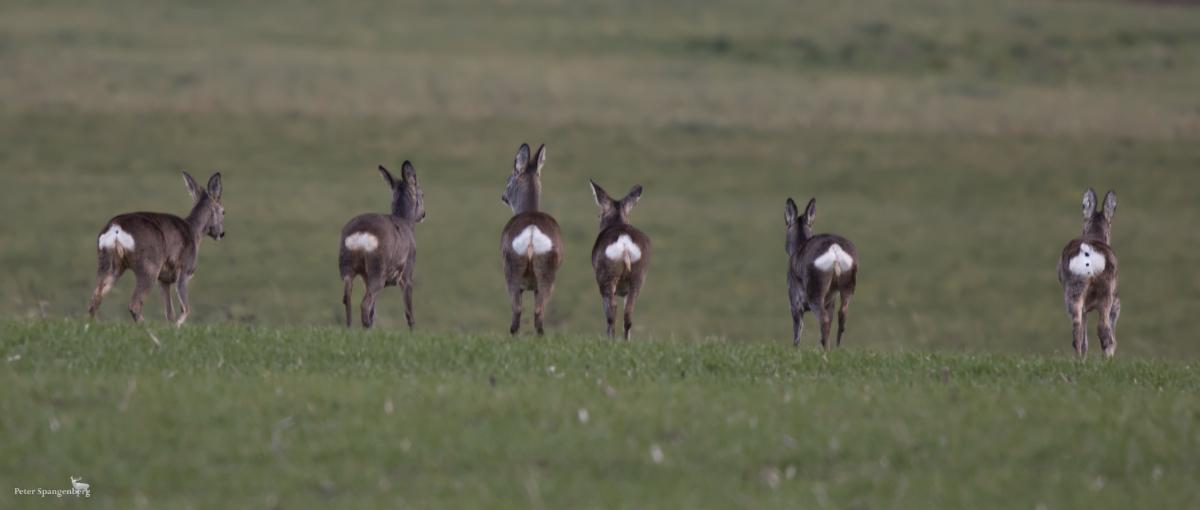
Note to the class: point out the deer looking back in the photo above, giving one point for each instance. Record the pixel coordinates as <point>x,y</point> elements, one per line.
<point>531,243</point>
<point>381,248</point>
<point>819,267</point>
<point>158,246</point>
<point>621,255</point>
<point>1087,271</point>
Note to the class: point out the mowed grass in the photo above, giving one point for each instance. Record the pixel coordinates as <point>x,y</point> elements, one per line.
<point>237,416</point>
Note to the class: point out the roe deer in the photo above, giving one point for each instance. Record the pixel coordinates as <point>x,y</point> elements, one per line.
<point>818,267</point>
<point>621,255</point>
<point>1087,271</point>
<point>531,243</point>
<point>158,246</point>
<point>381,248</point>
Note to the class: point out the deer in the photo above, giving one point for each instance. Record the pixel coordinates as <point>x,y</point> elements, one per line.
<point>621,255</point>
<point>819,267</point>
<point>531,246</point>
<point>158,246</point>
<point>83,487</point>
<point>1087,271</point>
<point>382,248</point>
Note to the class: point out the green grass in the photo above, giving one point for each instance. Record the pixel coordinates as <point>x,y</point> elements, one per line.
<point>235,416</point>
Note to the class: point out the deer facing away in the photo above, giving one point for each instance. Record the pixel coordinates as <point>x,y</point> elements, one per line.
<point>531,244</point>
<point>158,246</point>
<point>621,255</point>
<point>381,248</point>
<point>1087,271</point>
<point>819,267</point>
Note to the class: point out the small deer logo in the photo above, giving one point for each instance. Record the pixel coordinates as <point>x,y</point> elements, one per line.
<point>83,487</point>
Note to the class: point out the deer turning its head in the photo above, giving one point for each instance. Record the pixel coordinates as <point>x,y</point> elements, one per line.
<point>531,247</point>
<point>381,248</point>
<point>160,247</point>
<point>621,255</point>
<point>819,267</point>
<point>1087,271</point>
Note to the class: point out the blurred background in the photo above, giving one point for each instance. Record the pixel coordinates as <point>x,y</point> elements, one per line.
<point>950,140</point>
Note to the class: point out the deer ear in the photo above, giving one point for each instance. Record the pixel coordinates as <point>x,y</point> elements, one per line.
<point>541,159</point>
<point>193,188</point>
<point>408,174</point>
<point>1110,204</point>
<point>790,211</point>
<point>810,212</point>
<point>214,187</point>
<point>387,177</point>
<point>522,159</point>
<point>631,199</point>
<point>1089,203</point>
<point>601,197</point>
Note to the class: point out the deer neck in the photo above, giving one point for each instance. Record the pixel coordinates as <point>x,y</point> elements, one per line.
<point>199,219</point>
<point>403,208</point>
<point>613,218</point>
<point>796,237</point>
<point>1096,229</point>
<point>529,200</point>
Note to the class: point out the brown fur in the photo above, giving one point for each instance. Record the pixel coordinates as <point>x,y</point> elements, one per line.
<point>393,261</point>
<point>810,288</point>
<point>524,270</point>
<point>621,277</point>
<point>1096,292</point>
<point>165,249</point>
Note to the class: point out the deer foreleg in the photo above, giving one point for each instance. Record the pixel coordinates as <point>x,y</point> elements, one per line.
<point>165,289</point>
<point>181,291</point>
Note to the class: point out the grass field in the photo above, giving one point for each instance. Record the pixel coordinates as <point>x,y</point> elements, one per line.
<point>234,416</point>
<point>950,140</point>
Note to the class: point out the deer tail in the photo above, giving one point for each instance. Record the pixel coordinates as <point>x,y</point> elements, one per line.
<point>529,250</point>
<point>628,263</point>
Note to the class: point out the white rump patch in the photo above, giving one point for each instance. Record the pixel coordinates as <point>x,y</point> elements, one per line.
<point>532,235</point>
<point>362,241</point>
<point>114,236</point>
<point>834,254</point>
<point>1089,262</point>
<point>624,244</point>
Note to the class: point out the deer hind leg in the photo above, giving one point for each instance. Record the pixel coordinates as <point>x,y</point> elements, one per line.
<point>406,280</point>
<point>635,289</point>
<point>845,296</point>
<point>346,295</point>
<point>106,277</point>
<point>544,272</point>
<point>374,287</point>
<point>1108,310</point>
<point>1074,299</point>
<point>181,291</point>
<point>144,281</point>
<point>164,288</point>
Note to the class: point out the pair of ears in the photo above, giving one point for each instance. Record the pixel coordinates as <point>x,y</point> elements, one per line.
<point>408,175</point>
<point>791,212</point>
<point>522,162</point>
<point>1089,204</point>
<point>605,202</point>
<point>213,190</point>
